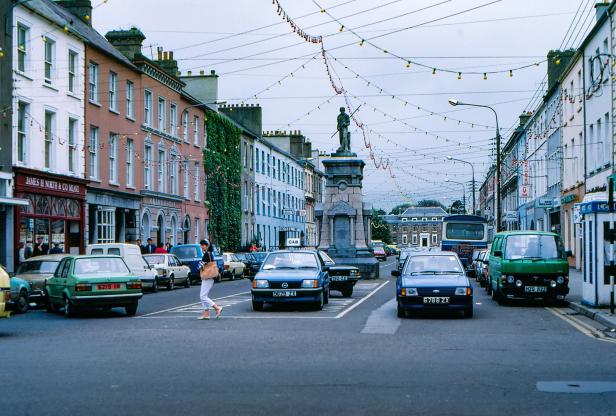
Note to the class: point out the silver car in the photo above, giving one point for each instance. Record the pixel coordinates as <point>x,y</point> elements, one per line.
<point>36,270</point>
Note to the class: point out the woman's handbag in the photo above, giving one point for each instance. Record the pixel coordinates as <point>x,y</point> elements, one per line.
<point>209,270</point>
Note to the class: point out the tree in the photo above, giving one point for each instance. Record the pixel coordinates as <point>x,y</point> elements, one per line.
<point>430,203</point>
<point>399,209</point>
<point>380,229</point>
<point>457,207</point>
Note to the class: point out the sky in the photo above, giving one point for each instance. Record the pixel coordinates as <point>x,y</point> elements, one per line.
<point>404,128</point>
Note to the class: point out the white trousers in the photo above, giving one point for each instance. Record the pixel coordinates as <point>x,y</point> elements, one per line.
<point>204,295</point>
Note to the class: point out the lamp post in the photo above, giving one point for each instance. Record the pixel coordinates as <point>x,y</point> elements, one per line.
<point>498,159</point>
<point>463,192</point>
<point>473,170</point>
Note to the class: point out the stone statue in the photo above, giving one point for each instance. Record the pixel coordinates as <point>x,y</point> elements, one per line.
<point>344,121</point>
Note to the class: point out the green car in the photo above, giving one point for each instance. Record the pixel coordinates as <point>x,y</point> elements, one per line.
<point>82,282</point>
<point>528,265</point>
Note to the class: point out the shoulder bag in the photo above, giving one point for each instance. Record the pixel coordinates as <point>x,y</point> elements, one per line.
<point>209,270</point>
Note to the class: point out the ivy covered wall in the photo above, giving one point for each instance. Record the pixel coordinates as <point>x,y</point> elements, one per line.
<point>223,171</point>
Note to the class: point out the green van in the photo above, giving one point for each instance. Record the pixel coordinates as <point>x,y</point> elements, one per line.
<point>528,265</point>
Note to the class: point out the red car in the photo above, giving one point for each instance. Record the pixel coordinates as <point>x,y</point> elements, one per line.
<point>379,252</point>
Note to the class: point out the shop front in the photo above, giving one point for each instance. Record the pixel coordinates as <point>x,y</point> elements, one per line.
<point>572,224</point>
<point>55,213</point>
<point>161,218</point>
<point>113,217</point>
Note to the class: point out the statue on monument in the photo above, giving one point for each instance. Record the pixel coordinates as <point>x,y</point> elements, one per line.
<point>344,121</point>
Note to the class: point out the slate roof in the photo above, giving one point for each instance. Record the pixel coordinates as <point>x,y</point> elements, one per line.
<point>61,16</point>
<point>424,212</point>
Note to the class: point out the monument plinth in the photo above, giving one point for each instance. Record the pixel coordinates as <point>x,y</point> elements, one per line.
<point>344,220</point>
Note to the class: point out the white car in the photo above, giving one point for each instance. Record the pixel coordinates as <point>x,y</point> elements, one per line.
<point>234,267</point>
<point>170,270</point>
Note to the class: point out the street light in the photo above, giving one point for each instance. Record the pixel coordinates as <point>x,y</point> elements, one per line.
<point>463,192</point>
<point>455,102</point>
<point>473,170</point>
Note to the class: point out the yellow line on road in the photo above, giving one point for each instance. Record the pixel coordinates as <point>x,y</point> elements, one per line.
<point>581,326</point>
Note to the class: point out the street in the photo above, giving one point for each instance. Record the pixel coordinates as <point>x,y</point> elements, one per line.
<point>354,357</point>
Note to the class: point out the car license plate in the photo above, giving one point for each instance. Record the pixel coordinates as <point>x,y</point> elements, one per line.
<point>339,278</point>
<point>284,293</point>
<point>535,289</point>
<point>108,286</point>
<point>436,300</point>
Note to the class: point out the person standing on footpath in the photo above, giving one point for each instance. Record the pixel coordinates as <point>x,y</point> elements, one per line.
<point>206,285</point>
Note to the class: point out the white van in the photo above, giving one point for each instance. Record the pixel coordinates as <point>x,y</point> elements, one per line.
<point>131,253</point>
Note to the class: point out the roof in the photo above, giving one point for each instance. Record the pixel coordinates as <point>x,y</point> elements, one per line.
<point>47,257</point>
<point>526,232</point>
<point>423,212</point>
<point>61,16</point>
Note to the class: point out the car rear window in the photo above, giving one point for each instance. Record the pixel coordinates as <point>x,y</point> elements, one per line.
<point>186,252</point>
<point>155,259</point>
<point>91,266</point>
<point>38,267</point>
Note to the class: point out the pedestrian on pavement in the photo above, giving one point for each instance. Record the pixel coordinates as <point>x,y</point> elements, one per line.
<point>140,245</point>
<point>206,285</point>
<point>56,249</point>
<point>40,249</point>
<point>160,249</point>
<point>150,248</point>
<point>168,247</point>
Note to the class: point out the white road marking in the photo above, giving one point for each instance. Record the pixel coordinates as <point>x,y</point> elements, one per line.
<point>383,320</point>
<point>188,305</point>
<point>581,326</point>
<point>365,298</point>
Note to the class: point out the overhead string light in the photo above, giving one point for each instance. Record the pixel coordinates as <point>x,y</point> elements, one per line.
<point>296,29</point>
<point>311,111</point>
<point>284,78</point>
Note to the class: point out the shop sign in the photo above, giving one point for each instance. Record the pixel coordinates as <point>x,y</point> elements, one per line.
<point>568,198</point>
<point>545,203</point>
<point>524,191</point>
<point>577,215</point>
<point>160,202</point>
<point>52,185</point>
<point>511,216</point>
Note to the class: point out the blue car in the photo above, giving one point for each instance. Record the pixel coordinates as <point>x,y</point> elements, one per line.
<point>20,295</point>
<point>191,254</point>
<point>433,281</point>
<point>291,277</point>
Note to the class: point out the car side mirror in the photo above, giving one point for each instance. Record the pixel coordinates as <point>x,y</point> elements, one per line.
<point>325,268</point>
<point>569,253</point>
<point>395,273</point>
<point>498,253</point>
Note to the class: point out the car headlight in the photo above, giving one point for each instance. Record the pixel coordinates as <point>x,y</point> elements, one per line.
<point>560,280</point>
<point>260,284</point>
<point>518,283</point>
<point>409,291</point>
<point>552,283</point>
<point>463,291</point>
<point>510,279</point>
<point>354,272</point>
<point>310,283</point>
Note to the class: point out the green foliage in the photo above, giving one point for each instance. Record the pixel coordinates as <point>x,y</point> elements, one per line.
<point>457,207</point>
<point>430,203</point>
<point>223,170</point>
<point>399,209</point>
<point>380,229</point>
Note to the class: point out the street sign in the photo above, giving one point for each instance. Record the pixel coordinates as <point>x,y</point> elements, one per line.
<point>511,216</point>
<point>293,242</point>
<point>287,212</point>
<point>525,191</point>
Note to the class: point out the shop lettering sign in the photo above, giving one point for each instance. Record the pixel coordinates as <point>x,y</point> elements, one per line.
<point>160,202</point>
<point>52,185</point>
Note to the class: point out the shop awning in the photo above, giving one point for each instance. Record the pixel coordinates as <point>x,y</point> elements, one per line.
<point>14,201</point>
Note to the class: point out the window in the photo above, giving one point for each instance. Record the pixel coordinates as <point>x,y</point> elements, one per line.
<point>93,77</point>
<point>130,154</point>
<point>606,140</point>
<point>49,133</point>
<point>72,144</point>
<point>113,81</point>
<point>186,179</point>
<point>22,133</point>
<point>424,219</point>
<point>269,202</point>
<point>258,201</point>
<point>113,158</point>
<point>252,162</point>
<point>173,174</point>
<point>147,107</point>
<point>105,226</point>
<point>263,200</point>
<point>257,162</point>
<point>414,239</point>
<point>274,167</point>
<point>147,167</point>
<point>50,48</point>
<point>162,179</point>
<point>162,114</point>
<point>93,152</point>
<point>196,131</point>
<point>405,219</point>
<point>197,197</point>
<point>185,125</point>
<point>279,174</point>
<point>22,47</point>
<point>405,239</point>
<point>197,231</point>
<point>434,239</point>
<point>268,165</point>
<point>130,90</point>
<point>434,219</point>
<point>173,120</point>
<point>72,70</point>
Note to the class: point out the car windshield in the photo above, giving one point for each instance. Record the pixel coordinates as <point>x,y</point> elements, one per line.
<point>259,256</point>
<point>186,252</point>
<point>290,260</point>
<point>37,267</point>
<point>464,231</point>
<point>425,264</point>
<point>155,259</point>
<point>529,246</point>
<point>101,265</point>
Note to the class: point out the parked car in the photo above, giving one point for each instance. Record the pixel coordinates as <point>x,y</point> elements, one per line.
<point>35,271</point>
<point>291,276</point>
<point>479,265</point>
<point>378,248</point>
<point>528,265</point>
<point>5,293</point>
<point>404,253</point>
<point>171,271</point>
<point>20,295</point>
<point>256,260</point>
<point>233,266</point>
<point>341,278</point>
<point>190,255</point>
<point>220,262</point>
<point>433,281</point>
<point>131,253</point>
<point>93,281</point>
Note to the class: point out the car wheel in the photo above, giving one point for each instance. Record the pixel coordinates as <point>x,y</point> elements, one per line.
<point>131,310</point>
<point>219,278</point>
<point>347,292</point>
<point>69,309</point>
<point>187,282</point>
<point>22,303</point>
<point>400,311</point>
<point>326,296</point>
<point>257,306</point>
<point>233,275</point>
<point>155,286</point>
<point>318,305</point>
<point>171,284</point>
<point>468,312</point>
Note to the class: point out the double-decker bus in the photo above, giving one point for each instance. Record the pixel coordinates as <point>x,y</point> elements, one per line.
<point>463,234</point>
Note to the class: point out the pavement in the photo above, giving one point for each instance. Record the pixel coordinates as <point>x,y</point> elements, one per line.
<point>353,358</point>
<point>601,315</point>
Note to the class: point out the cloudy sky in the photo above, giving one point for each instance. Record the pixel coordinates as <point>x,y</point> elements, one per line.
<point>405,126</point>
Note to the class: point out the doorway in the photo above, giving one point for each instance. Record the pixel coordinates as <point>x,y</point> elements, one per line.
<point>160,232</point>
<point>424,241</point>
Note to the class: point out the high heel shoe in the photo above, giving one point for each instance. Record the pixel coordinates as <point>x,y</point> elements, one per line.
<point>219,312</point>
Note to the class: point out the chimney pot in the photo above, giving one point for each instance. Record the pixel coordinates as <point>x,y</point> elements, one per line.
<point>171,55</point>
<point>159,51</point>
<point>165,56</point>
<point>202,72</point>
<point>212,72</point>
<point>189,73</point>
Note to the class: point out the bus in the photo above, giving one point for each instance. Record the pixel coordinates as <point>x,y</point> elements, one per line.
<point>464,234</point>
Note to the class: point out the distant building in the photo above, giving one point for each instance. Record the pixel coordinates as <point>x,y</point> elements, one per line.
<point>417,227</point>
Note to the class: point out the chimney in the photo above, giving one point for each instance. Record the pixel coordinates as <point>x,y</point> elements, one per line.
<point>80,8</point>
<point>601,8</point>
<point>128,42</point>
<point>250,118</point>
<point>166,62</point>
<point>524,117</point>
<point>557,63</point>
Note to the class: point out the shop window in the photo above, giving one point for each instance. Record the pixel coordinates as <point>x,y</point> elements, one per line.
<point>105,226</point>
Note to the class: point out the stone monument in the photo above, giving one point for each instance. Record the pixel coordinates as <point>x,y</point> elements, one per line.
<point>343,219</point>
